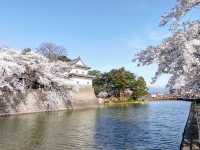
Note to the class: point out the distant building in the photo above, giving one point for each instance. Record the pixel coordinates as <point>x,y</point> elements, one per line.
<point>79,73</point>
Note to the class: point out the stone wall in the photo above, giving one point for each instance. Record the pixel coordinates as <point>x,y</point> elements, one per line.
<point>83,97</point>
<point>40,101</point>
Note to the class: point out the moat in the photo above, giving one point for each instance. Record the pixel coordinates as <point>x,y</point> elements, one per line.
<point>155,125</point>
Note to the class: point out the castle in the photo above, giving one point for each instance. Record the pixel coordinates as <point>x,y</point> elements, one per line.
<point>79,73</point>
<point>83,94</point>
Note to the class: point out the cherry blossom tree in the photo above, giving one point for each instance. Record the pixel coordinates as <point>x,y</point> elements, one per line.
<point>20,73</point>
<point>182,8</point>
<point>179,54</point>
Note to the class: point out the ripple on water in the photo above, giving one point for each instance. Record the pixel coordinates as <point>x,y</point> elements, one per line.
<point>157,125</point>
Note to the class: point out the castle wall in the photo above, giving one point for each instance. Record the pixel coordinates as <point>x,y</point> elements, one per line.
<point>41,101</point>
<point>84,97</point>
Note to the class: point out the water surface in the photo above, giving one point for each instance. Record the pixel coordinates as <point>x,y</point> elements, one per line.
<point>153,126</point>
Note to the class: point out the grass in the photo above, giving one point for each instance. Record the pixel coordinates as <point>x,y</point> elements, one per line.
<point>123,101</point>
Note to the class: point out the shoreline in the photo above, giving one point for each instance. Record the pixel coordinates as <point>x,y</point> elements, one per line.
<point>125,103</point>
<point>42,111</point>
<point>77,108</point>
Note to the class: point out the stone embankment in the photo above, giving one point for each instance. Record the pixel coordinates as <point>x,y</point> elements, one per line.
<point>190,140</point>
<point>43,101</point>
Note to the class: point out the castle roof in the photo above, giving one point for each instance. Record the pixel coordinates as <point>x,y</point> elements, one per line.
<point>78,62</point>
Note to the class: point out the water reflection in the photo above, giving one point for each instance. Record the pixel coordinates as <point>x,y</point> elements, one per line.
<point>122,127</point>
<point>157,125</point>
<point>138,127</point>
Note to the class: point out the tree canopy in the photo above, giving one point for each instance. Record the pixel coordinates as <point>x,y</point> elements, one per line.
<point>21,73</point>
<point>182,8</point>
<point>26,50</point>
<point>179,54</point>
<point>117,81</point>
<point>51,50</point>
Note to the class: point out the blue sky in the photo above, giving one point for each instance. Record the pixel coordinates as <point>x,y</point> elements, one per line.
<point>105,33</point>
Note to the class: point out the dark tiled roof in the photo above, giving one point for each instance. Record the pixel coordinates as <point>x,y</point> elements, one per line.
<point>74,61</point>
<point>81,75</point>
